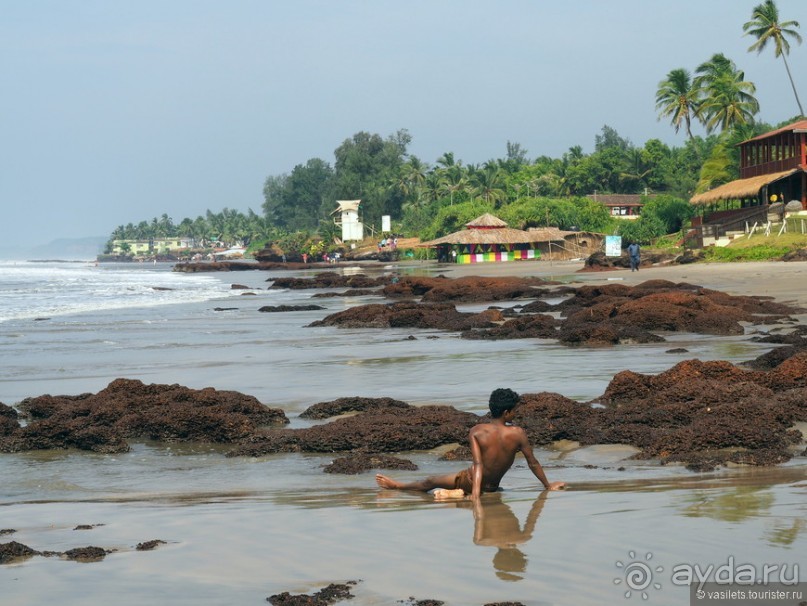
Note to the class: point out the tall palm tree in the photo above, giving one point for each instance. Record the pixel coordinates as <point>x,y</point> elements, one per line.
<point>727,98</point>
<point>678,99</point>
<point>766,27</point>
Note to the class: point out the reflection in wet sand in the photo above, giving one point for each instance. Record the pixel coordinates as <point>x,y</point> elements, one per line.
<point>496,525</point>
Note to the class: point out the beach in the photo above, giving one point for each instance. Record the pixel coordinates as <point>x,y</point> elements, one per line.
<point>238,530</point>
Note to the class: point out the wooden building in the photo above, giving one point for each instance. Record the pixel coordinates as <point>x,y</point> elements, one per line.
<point>772,164</point>
<point>623,206</point>
<point>773,170</point>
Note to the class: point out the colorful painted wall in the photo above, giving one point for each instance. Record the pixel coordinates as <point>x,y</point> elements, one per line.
<point>493,257</point>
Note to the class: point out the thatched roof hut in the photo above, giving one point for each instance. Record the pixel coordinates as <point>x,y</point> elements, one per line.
<point>485,229</point>
<point>488,238</point>
<point>741,188</point>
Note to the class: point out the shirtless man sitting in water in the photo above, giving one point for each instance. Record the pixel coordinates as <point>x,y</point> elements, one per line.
<point>494,447</point>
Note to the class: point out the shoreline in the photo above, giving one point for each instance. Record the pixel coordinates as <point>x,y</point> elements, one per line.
<point>784,281</point>
<point>238,530</point>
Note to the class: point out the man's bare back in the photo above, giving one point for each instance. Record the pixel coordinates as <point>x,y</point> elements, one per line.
<point>494,447</point>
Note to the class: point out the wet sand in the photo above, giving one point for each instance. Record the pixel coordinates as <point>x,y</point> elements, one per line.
<point>783,281</point>
<point>238,531</point>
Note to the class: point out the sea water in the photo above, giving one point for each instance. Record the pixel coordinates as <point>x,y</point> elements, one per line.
<point>240,529</point>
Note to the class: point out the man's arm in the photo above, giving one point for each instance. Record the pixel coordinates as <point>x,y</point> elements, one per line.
<point>535,466</point>
<point>476,469</point>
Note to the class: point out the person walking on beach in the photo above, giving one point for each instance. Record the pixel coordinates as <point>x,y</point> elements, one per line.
<point>634,252</point>
<point>494,446</point>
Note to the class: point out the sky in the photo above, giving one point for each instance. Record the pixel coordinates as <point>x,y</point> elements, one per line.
<point>116,111</point>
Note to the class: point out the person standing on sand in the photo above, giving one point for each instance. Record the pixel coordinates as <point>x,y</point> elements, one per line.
<point>494,447</point>
<point>634,252</point>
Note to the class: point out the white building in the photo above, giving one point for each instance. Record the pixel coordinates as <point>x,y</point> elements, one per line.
<point>352,228</point>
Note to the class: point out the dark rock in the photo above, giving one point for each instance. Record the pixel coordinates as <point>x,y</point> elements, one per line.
<point>328,595</point>
<point>340,406</point>
<point>149,545</point>
<point>86,554</point>
<point>14,550</point>
<point>329,280</point>
<point>359,463</point>
<point>352,292</point>
<point>600,262</point>
<point>279,308</point>
<point>211,266</point>
<point>796,255</point>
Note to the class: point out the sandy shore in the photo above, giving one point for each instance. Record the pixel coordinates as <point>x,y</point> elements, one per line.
<point>783,281</point>
<point>238,530</point>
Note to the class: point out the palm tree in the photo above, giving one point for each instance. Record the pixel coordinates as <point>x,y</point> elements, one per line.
<point>766,27</point>
<point>727,98</point>
<point>678,99</point>
<point>488,183</point>
<point>452,181</point>
<point>412,178</point>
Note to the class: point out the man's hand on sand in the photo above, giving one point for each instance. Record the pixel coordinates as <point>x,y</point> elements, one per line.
<point>557,486</point>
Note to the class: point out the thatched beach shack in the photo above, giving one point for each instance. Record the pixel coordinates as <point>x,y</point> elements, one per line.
<point>488,239</point>
<point>773,173</point>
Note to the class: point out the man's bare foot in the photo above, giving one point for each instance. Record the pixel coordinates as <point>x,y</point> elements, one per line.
<point>385,482</point>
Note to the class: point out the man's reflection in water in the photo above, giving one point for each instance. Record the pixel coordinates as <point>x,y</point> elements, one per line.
<point>495,525</point>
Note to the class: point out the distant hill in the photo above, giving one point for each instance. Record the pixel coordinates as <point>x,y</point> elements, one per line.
<point>63,249</point>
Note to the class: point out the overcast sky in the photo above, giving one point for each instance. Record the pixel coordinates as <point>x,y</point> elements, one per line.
<point>117,111</point>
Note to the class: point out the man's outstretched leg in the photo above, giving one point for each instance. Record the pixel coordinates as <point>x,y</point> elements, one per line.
<point>445,481</point>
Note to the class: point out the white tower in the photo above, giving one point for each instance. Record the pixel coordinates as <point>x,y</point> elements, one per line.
<point>352,228</point>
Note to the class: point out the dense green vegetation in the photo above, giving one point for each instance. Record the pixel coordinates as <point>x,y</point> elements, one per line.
<point>430,200</point>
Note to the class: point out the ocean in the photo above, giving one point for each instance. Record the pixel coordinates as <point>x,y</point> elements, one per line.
<point>238,530</point>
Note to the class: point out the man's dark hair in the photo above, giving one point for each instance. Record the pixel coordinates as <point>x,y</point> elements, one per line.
<point>502,400</point>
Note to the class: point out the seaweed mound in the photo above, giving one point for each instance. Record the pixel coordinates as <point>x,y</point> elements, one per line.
<point>340,406</point>
<point>592,315</point>
<point>335,592</point>
<point>701,413</point>
<point>468,289</point>
<point>361,462</point>
<point>128,409</point>
<point>329,279</point>
<point>382,430</point>
<point>406,314</point>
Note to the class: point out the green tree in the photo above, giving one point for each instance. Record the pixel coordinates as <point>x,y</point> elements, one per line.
<point>672,212</point>
<point>488,183</point>
<point>678,99</point>
<point>367,167</point>
<point>766,27</point>
<point>716,170</point>
<point>728,99</point>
